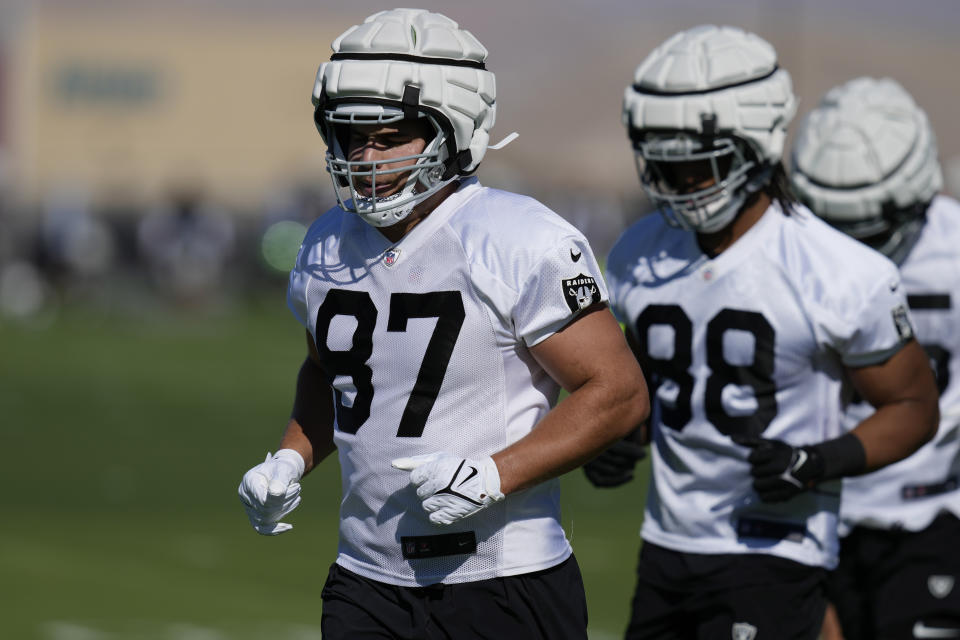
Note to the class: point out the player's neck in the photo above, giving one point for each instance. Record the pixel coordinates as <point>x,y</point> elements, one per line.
<point>396,232</point>
<point>713,244</point>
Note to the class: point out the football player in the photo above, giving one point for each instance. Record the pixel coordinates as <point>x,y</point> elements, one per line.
<point>750,315</point>
<point>442,319</point>
<point>865,160</point>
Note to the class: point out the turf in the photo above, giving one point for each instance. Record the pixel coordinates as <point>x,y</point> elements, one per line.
<point>124,437</point>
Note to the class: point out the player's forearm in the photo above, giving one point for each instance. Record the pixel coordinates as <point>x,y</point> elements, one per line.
<point>312,449</point>
<point>896,430</point>
<point>575,431</point>
<point>310,429</point>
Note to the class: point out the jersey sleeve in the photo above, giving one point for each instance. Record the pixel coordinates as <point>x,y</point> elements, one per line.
<point>297,296</point>
<point>618,278</point>
<point>310,250</point>
<point>869,324</point>
<point>297,287</point>
<point>566,280</point>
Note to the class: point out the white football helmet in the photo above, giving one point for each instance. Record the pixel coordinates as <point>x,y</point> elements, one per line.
<point>404,64</point>
<point>714,99</point>
<point>865,160</point>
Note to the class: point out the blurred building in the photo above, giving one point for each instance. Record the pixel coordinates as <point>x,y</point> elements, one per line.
<point>128,99</point>
<point>130,102</point>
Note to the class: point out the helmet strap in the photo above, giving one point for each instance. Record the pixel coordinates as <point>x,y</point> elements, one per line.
<point>458,165</point>
<point>411,102</point>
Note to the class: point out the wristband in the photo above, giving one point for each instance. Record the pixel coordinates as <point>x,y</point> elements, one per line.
<point>843,456</point>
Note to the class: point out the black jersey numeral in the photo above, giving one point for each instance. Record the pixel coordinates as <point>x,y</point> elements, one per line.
<point>758,375</point>
<point>938,354</point>
<point>445,306</point>
<point>353,363</point>
<point>940,363</point>
<point>676,367</point>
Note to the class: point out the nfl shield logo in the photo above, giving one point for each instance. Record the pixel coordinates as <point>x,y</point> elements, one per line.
<point>391,256</point>
<point>940,586</point>
<point>743,631</point>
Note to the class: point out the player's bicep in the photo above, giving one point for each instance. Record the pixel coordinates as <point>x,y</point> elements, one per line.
<point>312,352</point>
<point>642,434</point>
<point>313,401</point>
<point>904,393</point>
<point>906,376</point>
<point>590,348</point>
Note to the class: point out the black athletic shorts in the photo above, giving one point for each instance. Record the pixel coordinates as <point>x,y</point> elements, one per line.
<point>899,584</point>
<point>720,596</point>
<point>547,605</point>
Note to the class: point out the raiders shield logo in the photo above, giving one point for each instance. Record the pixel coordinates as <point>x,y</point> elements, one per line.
<point>580,292</point>
<point>743,631</point>
<point>940,586</point>
<point>901,320</point>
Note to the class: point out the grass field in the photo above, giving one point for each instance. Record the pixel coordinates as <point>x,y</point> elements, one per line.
<point>123,440</point>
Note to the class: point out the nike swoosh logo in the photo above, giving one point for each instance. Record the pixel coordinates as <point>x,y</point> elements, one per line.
<point>801,460</point>
<point>473,472</point>
<point>575,256</point>
<point>921,630</point>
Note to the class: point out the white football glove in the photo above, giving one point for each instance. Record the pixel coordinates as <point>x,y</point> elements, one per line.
<point>452,488</point>
<point>271,490</point>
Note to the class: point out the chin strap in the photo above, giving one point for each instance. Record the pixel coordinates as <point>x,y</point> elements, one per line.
<point>458,165</point>
<point>507,140</point>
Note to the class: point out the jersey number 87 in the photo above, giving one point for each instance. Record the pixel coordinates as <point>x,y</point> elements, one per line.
<point>445,306</point>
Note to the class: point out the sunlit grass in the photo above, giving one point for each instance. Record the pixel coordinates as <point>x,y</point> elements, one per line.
<point>124,440</point>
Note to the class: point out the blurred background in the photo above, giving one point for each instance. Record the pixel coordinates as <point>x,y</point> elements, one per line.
<point>158,168</point>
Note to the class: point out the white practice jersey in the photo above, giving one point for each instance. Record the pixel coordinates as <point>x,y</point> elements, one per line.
<point>909,494</point>
<point>426,344</point>
<point>752,342</point>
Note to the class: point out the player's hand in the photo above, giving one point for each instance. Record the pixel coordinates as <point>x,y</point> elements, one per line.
<point>615,466</point>
<point>452,488</point>
<point>781,471</point>
<point>271,490</point>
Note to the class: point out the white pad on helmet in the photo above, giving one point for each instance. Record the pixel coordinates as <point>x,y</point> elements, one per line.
<point>720,71</point>
<point>443,61</point>
<point>865,147</point>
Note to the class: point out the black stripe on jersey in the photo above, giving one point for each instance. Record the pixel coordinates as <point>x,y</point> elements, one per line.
<point>914,491</point>
<point>921,301</point>
<point>444,544</point>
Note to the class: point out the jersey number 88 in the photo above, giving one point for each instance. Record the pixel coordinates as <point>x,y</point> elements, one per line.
<point>758,375</point>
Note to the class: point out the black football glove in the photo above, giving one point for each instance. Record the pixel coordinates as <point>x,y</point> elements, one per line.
<point>781,471</point>
<point>615,466</point>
